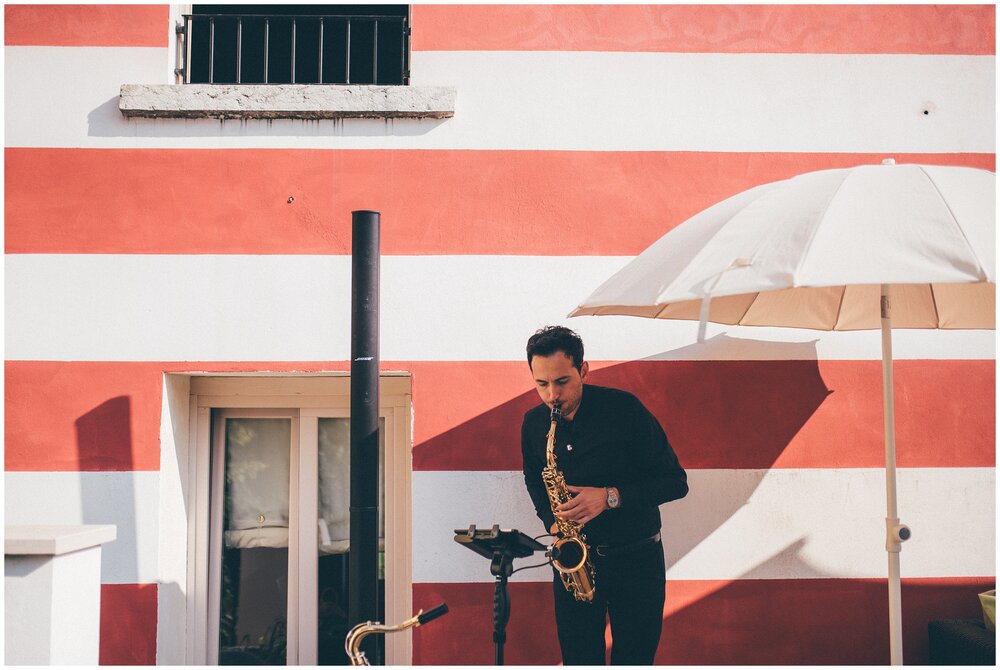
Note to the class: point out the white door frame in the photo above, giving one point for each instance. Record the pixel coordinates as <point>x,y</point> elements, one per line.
<point>305,398</point>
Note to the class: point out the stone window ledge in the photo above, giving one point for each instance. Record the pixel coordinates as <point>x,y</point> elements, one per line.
<point>286,101</point>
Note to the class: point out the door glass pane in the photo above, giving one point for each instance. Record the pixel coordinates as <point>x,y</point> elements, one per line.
<point>254,599</point>
<point>334,538</point>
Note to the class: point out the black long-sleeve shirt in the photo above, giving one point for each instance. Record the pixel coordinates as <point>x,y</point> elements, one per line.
<point>613,440</point>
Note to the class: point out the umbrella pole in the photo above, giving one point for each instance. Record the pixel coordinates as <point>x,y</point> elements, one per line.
<point>895,531</point>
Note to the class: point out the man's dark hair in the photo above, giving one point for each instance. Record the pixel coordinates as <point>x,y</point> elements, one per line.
<point>551,339</point>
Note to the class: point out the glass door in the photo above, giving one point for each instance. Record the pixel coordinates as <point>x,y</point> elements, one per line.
<point>326,448</point>
<point>253,517</point>
<point>333,525</point>
<point>279,537</point>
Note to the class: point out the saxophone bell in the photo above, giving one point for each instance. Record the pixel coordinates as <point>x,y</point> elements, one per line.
<point>568,554</point>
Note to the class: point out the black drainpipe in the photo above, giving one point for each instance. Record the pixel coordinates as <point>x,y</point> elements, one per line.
<point>363,592</point>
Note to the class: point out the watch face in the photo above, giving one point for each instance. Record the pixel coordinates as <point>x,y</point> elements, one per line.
<point>612,499</point>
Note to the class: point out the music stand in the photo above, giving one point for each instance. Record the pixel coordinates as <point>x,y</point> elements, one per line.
<point>501,547</point>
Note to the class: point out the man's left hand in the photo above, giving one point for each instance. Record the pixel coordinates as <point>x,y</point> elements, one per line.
<point>587,504</point>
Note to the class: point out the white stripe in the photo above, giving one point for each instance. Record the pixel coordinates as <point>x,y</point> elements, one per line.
<point>604,101</point>
<point>742,524</point>
<point>292,308</point>
<point>129,500</point>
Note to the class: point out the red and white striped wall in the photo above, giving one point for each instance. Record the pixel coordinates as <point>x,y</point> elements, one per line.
<point>136,248</point>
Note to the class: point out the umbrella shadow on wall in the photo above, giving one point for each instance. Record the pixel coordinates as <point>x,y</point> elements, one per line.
<point>751,620</point>
<point>718,414</point>
<point>813,619</point>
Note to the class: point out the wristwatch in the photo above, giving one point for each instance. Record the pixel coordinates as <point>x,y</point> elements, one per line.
<point>614,502</point>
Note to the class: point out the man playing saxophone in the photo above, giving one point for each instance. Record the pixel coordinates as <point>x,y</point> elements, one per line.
<point>618,467</point>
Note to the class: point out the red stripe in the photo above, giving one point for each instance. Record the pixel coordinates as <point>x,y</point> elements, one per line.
<point>730,414</point>
<point>903,29</point>
<point>87,25</point>
<point>82,416</point>
<point>432,202</point>
<point>128,624</point>
<point>68,416</point>
<point>746,622</point>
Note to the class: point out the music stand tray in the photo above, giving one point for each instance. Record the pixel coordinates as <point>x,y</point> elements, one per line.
<point>488,542</point>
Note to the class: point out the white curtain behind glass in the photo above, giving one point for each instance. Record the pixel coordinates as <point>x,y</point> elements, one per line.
<point>257,475</point>
<point>335,485</point>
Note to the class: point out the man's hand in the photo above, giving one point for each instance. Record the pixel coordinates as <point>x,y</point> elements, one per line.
<point>587,504</point>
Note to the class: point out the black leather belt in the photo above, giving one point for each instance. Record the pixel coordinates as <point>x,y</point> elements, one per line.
<point>609,550</point>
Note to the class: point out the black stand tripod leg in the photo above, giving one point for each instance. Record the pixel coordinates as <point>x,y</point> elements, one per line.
<point>501,614</point>
<point>502,567</point>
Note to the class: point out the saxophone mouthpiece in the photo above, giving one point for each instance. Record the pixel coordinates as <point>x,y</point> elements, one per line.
<point>556,412</point>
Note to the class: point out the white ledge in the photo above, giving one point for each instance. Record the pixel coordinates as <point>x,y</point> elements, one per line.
<point>286,101</point>
<point>54,540</point>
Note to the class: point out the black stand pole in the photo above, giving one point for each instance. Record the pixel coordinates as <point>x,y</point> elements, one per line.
<point>502,566</point>
<point>363,560</point>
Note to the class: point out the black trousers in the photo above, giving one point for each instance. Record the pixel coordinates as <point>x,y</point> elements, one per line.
<point>629,591</point>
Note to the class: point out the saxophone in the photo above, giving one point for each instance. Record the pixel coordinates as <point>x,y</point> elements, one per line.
<point>571,558</point>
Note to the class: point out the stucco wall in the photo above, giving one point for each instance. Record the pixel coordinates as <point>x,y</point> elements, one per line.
<point>139,247</point>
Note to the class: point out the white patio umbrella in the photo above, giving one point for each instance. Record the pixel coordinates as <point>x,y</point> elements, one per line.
<point>874,246</point>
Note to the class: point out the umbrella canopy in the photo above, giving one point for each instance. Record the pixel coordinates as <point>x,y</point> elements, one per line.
<point>812,252</point>
<point>874,246</point>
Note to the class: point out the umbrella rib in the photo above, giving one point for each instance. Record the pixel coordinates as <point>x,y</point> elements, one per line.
<point>937,314</point>
<point>812,233</point>
<point>840,305</point>
<point>700,252</point>
<point>739,321</point>
<point>953,218</point>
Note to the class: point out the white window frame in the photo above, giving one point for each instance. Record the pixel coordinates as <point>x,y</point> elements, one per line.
<point>304,399</point>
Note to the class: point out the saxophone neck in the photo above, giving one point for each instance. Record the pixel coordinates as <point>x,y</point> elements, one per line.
<point>352,645</point>
<point>550,443</point>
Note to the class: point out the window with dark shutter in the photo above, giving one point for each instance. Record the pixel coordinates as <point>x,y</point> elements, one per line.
<point>296,44</point>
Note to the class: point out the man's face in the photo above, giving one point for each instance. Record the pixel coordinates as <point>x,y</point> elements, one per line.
<point>557,381</point>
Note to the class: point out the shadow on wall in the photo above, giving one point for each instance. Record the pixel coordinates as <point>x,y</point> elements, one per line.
<point>106,120</point>
<point>746,621</point>
<point>719,415</point>
<point>108,495</point>
<point>819,621</point>
<point>716,413</point>
<point>705,622</point>
<point>104,435</point>
<point>107,486</point>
